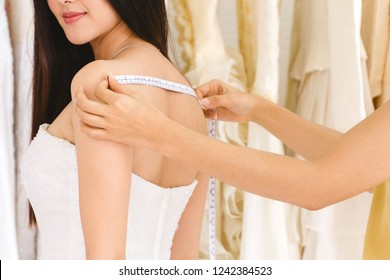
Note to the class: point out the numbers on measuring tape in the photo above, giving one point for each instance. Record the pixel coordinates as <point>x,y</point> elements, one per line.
<point>212,129</point>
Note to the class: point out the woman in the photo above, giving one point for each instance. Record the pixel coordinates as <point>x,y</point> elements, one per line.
<point>129,201</point>
<point>337,166</point>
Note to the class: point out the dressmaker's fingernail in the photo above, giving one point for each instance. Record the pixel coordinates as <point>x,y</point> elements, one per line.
<point>205,102</point>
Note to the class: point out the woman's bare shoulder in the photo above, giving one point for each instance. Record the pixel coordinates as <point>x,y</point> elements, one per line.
<point>90,76</point>
<point>137,61</point>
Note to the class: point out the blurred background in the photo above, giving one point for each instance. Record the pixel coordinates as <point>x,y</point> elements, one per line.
<point>326,60</point>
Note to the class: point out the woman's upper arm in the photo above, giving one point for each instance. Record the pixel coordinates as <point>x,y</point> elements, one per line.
<point>104,172</point>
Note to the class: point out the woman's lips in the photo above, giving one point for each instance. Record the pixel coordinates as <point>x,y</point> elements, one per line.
<point>71,17</point>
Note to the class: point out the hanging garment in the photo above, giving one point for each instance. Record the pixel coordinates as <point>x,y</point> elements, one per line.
<point>385,96</point>
<point>269,228</point>
<point>8,245</point>
<point>21,26</point>
<point>182,32</point>
<point>333,91</point>
<point>377,245</point>
<point>205,57</point>
<point>375,35</point>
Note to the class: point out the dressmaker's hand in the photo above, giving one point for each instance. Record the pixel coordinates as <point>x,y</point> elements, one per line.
<point>122,115</point>
<point>230,103</point>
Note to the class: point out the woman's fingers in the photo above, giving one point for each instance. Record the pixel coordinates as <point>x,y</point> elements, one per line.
<point>87,105</point>
<point>90,119</point>
<point>104,94</point>
<point>210,114</point>
<point>117,87</point>
<point>96,133</point>
<point>211,88</point>
<point>217,101</point>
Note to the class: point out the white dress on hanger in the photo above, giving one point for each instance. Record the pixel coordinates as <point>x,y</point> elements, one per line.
<point>49,174</point>
<point>333,91</point>
<point>269,230</point>
<point>8,247</point>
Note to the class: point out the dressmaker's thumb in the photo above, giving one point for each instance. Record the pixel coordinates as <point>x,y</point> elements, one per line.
<point>114,85</point>
<point>213,102</point>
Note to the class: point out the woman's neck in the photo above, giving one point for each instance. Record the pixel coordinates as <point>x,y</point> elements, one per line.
<point>106,45</point>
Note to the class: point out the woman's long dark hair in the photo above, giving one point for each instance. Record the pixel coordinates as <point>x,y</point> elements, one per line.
<point>56,60</point>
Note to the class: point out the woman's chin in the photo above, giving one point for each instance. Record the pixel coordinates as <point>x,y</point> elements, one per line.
<point>78,40</point>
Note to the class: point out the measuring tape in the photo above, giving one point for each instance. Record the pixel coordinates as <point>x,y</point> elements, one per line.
<point>212,130</point>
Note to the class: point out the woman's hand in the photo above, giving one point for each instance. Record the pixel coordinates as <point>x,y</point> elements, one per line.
<point>123,115</point>
<point>225,102</point>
